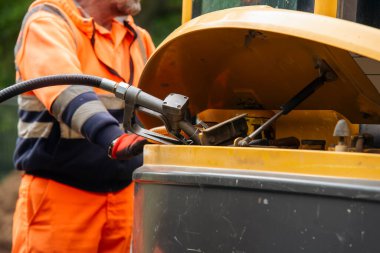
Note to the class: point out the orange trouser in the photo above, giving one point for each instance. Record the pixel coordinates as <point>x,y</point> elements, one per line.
<point>53,217</point>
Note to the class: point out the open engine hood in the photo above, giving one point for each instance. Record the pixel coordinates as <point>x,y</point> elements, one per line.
<point>258,58</point>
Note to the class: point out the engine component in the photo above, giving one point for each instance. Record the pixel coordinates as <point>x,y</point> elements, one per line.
<point>342,131</point>
<point>326,74</point>
<point>225,132</point>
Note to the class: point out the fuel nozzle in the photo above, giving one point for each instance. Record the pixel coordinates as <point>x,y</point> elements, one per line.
<point>341,131</point>
<point>172,111</point>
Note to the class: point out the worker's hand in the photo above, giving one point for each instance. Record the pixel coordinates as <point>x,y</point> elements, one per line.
<point>126,146</point>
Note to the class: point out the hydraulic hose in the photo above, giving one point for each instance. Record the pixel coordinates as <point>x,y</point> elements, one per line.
<point>46,81</point>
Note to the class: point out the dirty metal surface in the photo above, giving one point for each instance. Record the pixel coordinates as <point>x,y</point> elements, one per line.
<point>211,210</point>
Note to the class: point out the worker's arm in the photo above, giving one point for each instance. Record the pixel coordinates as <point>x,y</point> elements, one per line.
<point>49,48</point>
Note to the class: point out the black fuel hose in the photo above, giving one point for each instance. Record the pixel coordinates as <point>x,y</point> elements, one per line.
<point>46,81</point>
<point>88,80</point>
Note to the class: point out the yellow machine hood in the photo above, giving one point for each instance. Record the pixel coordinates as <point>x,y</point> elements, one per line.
<point>259,58</point>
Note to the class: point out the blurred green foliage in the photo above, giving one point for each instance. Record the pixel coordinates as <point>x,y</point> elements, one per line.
<point>8,133</point>
<point>159,17</point>
<point>11,14</point>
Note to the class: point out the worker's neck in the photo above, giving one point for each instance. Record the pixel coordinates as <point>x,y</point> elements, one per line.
<point>99,10</point>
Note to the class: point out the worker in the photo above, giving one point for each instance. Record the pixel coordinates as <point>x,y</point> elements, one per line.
<point>76,193</point>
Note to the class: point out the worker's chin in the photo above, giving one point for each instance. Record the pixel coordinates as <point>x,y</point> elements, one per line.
<point>131,9</point>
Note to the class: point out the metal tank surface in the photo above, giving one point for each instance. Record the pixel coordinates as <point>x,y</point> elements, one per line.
<point>198,209</point>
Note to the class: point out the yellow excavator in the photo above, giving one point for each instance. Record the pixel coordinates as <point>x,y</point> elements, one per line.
<point>285,98</point>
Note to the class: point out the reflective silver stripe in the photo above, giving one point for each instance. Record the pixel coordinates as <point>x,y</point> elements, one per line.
<point>68,133</point>
<point>66,97</point>
<point>34,130</point>
<point>84,112</point>
<point>19,79</point>
<point>30,103</point>
<point>111,102</point>
<point>18,74</point>
<point>142,46</point>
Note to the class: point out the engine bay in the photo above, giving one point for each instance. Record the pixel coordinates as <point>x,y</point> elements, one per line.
<point>300,129</point>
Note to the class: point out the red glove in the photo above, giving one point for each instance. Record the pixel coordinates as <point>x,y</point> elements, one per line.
<point>126,146</point>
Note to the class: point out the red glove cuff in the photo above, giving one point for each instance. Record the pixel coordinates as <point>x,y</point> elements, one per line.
<point>126,146</point>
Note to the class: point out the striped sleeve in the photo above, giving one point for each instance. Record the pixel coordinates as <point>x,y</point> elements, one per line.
<point>80,109</point>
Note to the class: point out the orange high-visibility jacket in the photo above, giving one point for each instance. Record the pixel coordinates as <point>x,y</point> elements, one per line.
<point>64,131</point>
